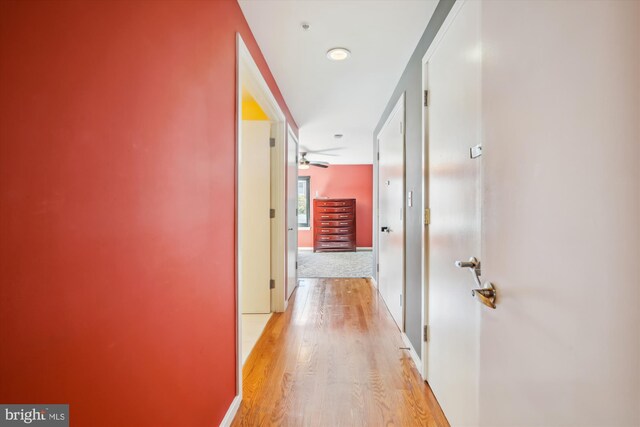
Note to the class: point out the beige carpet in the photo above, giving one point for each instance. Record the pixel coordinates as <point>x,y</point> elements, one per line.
<point>335,264</point>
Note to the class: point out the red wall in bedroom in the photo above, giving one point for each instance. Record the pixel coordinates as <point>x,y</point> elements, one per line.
<point>347,181</point>
<point>117,157</point>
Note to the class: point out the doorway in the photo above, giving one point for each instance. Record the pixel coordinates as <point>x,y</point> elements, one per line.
<point>335,212</point>
<point>261,201</point>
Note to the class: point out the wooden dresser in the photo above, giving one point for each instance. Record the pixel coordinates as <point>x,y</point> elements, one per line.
<point>334,225</point>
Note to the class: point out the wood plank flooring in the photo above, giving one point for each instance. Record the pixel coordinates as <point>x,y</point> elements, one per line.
<point>334,359</point>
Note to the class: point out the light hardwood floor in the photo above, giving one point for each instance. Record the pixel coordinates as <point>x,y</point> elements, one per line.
<point>334,358</point>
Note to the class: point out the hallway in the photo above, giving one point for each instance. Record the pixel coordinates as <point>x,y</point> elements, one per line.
<point>334,358</point>
<point>401,212</point>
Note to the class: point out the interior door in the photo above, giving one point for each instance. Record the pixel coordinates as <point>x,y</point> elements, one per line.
<point>563,328</point>
<point>391,213</point>
<point>292,213</point>
<point>454,232</point>
<point>254,189</point>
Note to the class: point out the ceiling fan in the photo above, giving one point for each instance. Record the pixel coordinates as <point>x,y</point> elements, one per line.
<point>305,163</point>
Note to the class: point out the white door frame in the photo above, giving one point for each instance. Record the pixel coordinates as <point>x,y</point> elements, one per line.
<point>249,75</point>
<point>376,247</point>
<point>425,181</point>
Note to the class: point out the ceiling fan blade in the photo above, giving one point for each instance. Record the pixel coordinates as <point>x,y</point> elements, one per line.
<point>325,149</point>
<point>321,151</point>
<point>324,154</point>
<point>319,165</point>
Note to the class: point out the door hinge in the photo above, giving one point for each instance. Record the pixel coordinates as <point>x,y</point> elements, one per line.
<point>427,216</point>
<point>400,300</point>
<point>426,98</point>
<point>401,127</point>
<point>378,155</point>
<point>272,142</point>
<point>296,265</point>
<point>272,213</point>
<point>272,284</point>
<point>426,333</point>
<point>378,267</point>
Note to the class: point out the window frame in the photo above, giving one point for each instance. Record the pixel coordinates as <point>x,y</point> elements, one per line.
<point>308,184</point>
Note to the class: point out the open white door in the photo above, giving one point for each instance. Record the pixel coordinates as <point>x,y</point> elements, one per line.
<point>391,213</point>
<point>454,232</point>
<point>292,213</point>
<point>254,203</point>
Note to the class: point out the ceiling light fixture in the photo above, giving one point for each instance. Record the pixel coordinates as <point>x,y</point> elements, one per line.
<point>338,135</point>
<point>303,166</point>
<point>338,54</point>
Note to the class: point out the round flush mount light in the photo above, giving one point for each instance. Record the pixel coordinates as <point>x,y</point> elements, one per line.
<point>338,54</point>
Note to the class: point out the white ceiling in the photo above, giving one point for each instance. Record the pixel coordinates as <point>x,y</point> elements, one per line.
<point>347,97</point>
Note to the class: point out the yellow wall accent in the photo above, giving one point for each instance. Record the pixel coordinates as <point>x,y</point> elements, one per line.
<point>251,109</point>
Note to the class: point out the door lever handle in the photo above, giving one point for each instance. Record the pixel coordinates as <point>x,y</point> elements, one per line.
<point>385,229</point>
<point>487,294</point>
<point>472,263</point>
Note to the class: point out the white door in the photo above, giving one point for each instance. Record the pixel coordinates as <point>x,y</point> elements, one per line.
<point>292,213</point>
<point>454,232</point>
<point>561,106</point>
<point>254,190</point>
<point>391,213</point>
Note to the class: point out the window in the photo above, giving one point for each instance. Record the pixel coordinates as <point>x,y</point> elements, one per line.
<point>304,212</point>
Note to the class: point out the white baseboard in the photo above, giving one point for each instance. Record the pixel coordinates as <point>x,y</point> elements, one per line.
<point>373,282</point>
<point>414,355</point>
<point>231,412</point>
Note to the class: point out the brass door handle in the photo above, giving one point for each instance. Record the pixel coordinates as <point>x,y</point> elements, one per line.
<point>486,294</point>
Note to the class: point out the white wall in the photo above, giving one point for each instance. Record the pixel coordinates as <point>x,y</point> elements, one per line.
<point>561,193</point>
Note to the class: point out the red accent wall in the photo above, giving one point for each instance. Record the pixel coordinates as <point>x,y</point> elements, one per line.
<point>348,181</point>
<point>117,166</point>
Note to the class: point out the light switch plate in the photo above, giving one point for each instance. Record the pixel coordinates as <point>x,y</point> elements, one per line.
<point>476,151</point>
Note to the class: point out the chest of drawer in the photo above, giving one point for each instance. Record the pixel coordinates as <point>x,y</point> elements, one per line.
<point>336,245</point>
<point>343,223</point>
<point>335,203</point>
<point>335,230</point>
<point>335,210</point>
<point>334,225</point>
<point>335,237</point>
<point>333,216</point>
